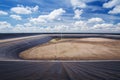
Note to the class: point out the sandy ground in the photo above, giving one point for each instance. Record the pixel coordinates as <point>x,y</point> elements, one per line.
<point>75,49</point>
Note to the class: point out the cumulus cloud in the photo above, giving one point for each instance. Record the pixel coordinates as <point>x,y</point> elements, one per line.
<point>28,24</point>
<point>5,26</point>
<point>54,22</point>
<point>27,28</point>
<point>81,25</point>
<point>103,26</point>
<point>20,9</point>
<point>78,14</point>
<point>3,12</point>
<point>111,3</point>
<point>77,26</point>
<point>87,25</point>
<point>78,4</point>
<point>115,10</point>
<point>95,20</point>
<point>17,17</point>
<point>23,28</point>
<point>54,15</point>
<point>95,24</point>
<point>118,27</point>
<point>115,4</point>
<point>118,24</point>
<point>35,8</point>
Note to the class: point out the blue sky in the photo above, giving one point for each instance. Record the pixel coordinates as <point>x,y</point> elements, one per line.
<point>22,16</point>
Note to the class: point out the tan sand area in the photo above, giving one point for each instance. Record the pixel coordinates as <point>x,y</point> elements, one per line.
<point>75,49</point>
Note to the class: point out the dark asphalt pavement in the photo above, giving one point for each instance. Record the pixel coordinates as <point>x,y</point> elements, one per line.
<point>23,70</point>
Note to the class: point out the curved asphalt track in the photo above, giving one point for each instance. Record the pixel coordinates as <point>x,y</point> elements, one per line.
<point>14,68</point>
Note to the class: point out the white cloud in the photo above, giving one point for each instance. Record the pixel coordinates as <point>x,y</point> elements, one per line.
<point>28,24</point>
<point>111,3</point>
<point>21,28</point>
<point>95,24</point>
<point>17,17</point>
<point>78,26</point>
<point>115,4</point>
<point>103,26</point>
<point>81,25</point>
<point>20,9</point>
<point>118,27</point>
<point>95,20</point>
<point>77,14</point>
<point>5,27</point>
<point>115,10</point>
<point>25,28</point>
<point>78,4</point>
<point>35,8</point>
<point>90,25</point>
<point>63,28</point>
<point>4,24</point>
<point>3,12</point>
<point>54,15</point>
<point>118,24</point>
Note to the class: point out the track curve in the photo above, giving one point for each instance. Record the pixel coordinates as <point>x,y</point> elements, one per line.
<point>9,50</point>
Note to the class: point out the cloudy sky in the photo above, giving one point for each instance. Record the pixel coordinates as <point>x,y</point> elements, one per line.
<point>23,16</point>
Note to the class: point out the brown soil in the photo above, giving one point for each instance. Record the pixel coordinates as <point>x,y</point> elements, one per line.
<point>75,49</point>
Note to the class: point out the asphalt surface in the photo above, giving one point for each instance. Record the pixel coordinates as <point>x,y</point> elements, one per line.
<point>14,68</point>
<point>22,70</point>
<point>10,49</point>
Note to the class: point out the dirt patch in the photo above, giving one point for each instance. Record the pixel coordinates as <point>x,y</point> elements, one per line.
<point>75,49</point>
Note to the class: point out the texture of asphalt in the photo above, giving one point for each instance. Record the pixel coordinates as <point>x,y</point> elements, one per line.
<point>14,68</point>
<point>23,70</point>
